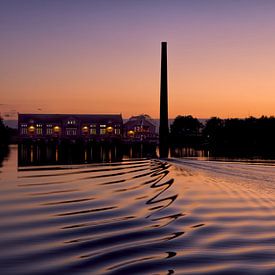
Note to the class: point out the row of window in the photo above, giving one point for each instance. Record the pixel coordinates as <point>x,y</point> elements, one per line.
<point>69,131</point>
<point>50,126</point>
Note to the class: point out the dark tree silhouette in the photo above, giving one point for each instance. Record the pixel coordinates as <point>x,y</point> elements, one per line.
<point>7,135</point>
<point>249,136</point>
<point>185,130</point>
<point>4,133</point>
<point>236,137</point>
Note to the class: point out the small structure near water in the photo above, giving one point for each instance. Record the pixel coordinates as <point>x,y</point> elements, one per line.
<point>140,129</point>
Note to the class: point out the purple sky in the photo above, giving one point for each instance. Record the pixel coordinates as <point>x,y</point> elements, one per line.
<point>104,56</point>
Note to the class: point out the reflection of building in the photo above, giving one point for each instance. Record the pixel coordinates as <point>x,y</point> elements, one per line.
<point>140,128</point>
<point>69,126</point>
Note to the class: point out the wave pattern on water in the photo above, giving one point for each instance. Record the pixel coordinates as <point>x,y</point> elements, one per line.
<point>134,217</point>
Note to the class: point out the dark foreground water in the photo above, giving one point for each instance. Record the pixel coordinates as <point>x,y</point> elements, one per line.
<point>137,217</point>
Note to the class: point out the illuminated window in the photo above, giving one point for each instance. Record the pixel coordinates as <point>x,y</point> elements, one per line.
<point>71,131</point>
<point>39,131</point>
<point>85,130</point>
<point>131,133</point>
<point>71,122</point>
<point>23,129</point>
<point>31,129</point>
<point>102,129</point>
<point>109,129</point>
<point>117,131</point>
<point>93,131</point>
<point>56,129</point>
<point>49,131</point>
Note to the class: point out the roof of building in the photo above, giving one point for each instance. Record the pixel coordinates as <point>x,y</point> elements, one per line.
<point>113,118</point>
<point>141,119</point>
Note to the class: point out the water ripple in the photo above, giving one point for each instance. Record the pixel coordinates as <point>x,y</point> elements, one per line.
<point>137,217</point>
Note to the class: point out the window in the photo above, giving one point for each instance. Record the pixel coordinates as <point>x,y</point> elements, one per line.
<point>39,131</point>
<point>117,131</point>
<point>102,129</point>
<point>23,129</point>
<point>71,131</point>
<point>71,122</point>
<point>49,131</point>
<point>93,131</point>
<point>57,129</point>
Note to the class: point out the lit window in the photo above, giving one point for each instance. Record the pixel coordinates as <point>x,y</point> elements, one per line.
<point>117,131</point>
<point>24,130</point>
<point>131,133</point>
<point>31,129</point>
<point>109,129</point>
<point>93,131</point>
<point>71,131</point>
<point>56,129</point>
<point>103,129</point>
<point>39,131</point>
<point>85,130</point>
<point>71,122</point>
<point>49,131</point>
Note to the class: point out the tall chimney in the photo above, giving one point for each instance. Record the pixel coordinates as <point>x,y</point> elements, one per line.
<point>163,127</point>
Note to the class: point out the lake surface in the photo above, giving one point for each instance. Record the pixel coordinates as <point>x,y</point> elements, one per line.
<point>141,216</point>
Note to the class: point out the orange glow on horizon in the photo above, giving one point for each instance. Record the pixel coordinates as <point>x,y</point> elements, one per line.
<point>221,62</point>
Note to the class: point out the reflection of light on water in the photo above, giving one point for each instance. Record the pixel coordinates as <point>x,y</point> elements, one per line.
<point>110,155</point>
<point>67,153</point>
<point>31,157</point>
<point>188,152</point>
<point>85,155</point>
<point>131,216</point>
<point>56,153</point>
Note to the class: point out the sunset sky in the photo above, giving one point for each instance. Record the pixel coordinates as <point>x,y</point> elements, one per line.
<point>99,56</point>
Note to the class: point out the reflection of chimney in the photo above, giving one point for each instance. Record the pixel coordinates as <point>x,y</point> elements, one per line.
<point>163,127</point>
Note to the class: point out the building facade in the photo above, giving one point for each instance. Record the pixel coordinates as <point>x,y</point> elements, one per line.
<point>140,128</point>
<point>69,127</point>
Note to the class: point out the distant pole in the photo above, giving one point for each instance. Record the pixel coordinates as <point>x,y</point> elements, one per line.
<point>163,127</point>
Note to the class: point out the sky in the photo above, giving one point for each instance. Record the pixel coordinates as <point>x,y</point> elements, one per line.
<point>103,56</point>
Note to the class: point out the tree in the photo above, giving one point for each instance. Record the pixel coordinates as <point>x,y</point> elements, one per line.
<point>185,130</point>
<point>4,135</point>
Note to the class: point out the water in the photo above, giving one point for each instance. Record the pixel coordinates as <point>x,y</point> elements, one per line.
<point>137,217</point>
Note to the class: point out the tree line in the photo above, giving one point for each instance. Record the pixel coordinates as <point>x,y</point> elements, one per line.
<point>6,134</point>
<point>248,135</point>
